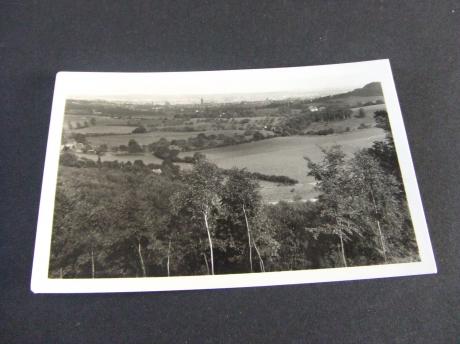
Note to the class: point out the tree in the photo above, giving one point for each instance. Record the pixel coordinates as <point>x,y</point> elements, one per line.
<point>242,201</point>
<point>82,222</point>
<point>385,151</point>
<point>68,159</point>
<point>377,200</point>
<point>134,147</point>
<point>139,130</point>
<point>382,121</point>
<point>200,201</point>
<point>197,157</point>
<point>360,202</point>
<point>103,148</point>
<point>79,138</point>
<point>333,183</point>
<point>361,113</point>
<point>258,136</point>
<point>297,247</point>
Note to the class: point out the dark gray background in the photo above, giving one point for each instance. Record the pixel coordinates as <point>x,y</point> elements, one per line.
<point>422,39</point>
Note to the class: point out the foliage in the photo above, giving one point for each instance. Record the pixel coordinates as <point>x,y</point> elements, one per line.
<point>361,205</point>
<point>139,130</point>
<point>361,113</point>
<point>134,147</point>
<point>385,151</point>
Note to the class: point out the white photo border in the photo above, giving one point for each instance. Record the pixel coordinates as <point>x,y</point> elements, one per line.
<point>41,283</point>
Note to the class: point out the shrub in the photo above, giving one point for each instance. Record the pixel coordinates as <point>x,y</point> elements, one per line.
<point>139,130</point>
<point>361,113</point>
<point>363,126</point>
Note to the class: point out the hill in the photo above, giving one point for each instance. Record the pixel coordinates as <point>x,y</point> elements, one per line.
<point>369,90</point>
<point>372,90</point>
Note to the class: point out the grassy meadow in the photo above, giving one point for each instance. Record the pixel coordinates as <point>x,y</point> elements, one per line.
<point>285,156</point>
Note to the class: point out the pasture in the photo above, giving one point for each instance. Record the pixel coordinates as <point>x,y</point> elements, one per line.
<point>104,130</point>
<point>147,138</point>
<point>350,123</point>
<point>147,158</point>
<point>285,156</point>
<point>100,120</point>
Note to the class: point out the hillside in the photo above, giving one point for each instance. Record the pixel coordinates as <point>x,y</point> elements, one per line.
<point>369,92</point>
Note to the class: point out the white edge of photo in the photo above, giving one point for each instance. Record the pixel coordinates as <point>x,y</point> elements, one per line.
<point>69,83</point>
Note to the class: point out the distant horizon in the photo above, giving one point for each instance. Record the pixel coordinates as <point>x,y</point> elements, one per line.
<point>213,98</point>
<point>254,84</point>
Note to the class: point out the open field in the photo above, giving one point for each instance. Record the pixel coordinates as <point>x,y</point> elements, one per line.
<point>369,110</point>
<point>147,158</point>
<point>350,123</point>
<point>105,129</point>
<point>100,120</point>
<point>277,156</point>
<point>281,156</point>
<point>285,156</point>
<point>147,138</point>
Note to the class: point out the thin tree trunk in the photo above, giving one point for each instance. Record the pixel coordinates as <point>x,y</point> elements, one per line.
<point>210,241</point>
<point>261,262</point>
<point>384,251</point>
<point>60,273</point>
<point>169,252</point>
<point>141,259</point>
<point>206,262</point>
<point>93,272</point>
<point>249,238</point>
<point>342,249</point>
<point>382,243</point>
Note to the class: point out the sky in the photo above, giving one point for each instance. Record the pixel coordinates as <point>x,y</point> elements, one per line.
<point>314,80</point>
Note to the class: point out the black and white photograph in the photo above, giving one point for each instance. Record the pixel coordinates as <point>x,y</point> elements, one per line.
<point>219,179</point>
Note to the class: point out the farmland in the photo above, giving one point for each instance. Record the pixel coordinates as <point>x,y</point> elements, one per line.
<point>285,156</point>
<point>268,137</point>
<point>146,138</point>
<point>277,156</point>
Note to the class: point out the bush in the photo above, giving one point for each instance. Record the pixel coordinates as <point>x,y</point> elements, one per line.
<point>321,132</point>
<point>134,147</point>
<point>361,113</point>
<point>139,130</point>
<point>258,136</point>
<point>363,126</point>
<point>80,138</point>
<point>274,178</point>
<point>68,159</point>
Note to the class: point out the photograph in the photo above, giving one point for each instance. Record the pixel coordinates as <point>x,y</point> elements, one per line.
<point>232,178</point>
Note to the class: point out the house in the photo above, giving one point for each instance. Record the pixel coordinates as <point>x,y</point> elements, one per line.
<point>80,147</point>
<point>68,146</point>
<point>174,147</point>
<point>75,146</point>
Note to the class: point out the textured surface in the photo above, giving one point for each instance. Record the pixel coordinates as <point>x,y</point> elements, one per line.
<point>422,39</point>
